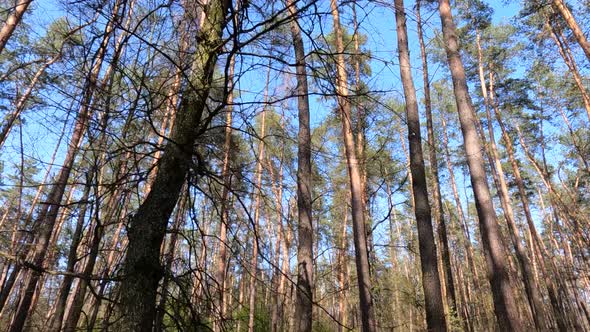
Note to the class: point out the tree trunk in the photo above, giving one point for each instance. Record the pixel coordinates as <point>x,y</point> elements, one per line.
<point>566,14</point>
<point>360,139</point>
<point>147,227</point>
<point>358,219</point>
<point>123,194</point>
<point>13,20</point>
<point>400,132</point>
<point>241,289</point>
<point>114,204</point>
<point>393,252</point>
<point>437,197</point>
<point>435,313</point>
<point>7,287</point>
<point>504,302</point>
<point>169,259</point>
<point>304,295</point>
<point>465,298</point>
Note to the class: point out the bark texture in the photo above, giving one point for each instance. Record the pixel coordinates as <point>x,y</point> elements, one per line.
<point>147,228</point>
<point>435,313</point>
<point>304,295</point>
<point>436,195</point>
<point>502,290</point>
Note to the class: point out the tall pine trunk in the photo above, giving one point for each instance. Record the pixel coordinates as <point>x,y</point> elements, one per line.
<point>360,138</point>
<point>437,197</point>
<point>368,323</point>
<point>435,313</point>
<point>304,295</point>
<point>502,291</point>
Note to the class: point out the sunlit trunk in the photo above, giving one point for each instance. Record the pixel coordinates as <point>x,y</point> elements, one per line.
<point>502,290</point>
<point>358,218</point>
